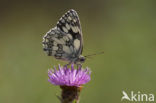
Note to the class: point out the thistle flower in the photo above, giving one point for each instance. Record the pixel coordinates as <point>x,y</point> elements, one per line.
<point>70,81</point>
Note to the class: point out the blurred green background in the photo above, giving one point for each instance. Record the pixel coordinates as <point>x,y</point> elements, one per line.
<point>125,30</point>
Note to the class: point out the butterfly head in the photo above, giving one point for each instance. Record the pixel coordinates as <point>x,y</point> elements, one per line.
<point>81,59</point>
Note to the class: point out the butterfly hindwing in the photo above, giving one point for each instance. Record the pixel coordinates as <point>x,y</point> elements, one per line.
<point>65,40</point>
<point>54,43</point>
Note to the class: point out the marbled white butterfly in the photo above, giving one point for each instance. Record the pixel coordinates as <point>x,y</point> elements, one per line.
<point>65,41</point>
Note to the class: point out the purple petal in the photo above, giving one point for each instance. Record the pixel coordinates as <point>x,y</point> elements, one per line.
<point>69,77</point>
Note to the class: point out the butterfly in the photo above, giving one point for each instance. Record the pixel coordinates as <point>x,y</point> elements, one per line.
<point>65,41</point>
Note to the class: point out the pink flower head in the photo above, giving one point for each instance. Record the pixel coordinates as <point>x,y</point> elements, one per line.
<point>69,77</point>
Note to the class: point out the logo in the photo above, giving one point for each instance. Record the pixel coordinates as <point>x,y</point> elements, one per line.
<point>138,96</point>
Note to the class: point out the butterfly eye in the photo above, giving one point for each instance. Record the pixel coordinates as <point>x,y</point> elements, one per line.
<point>82,59</point>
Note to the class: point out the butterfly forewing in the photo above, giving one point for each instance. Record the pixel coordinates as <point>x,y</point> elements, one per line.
<point>70,24</point>
<point>65,40</point>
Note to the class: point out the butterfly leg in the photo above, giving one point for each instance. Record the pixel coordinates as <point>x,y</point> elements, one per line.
<point>67,64</point>
<point>79,66</point>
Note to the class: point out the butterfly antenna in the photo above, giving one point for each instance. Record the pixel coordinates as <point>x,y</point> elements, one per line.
<point>89,58</point>
<point>94,54</point>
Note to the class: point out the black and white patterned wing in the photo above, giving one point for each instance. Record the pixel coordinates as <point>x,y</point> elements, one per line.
<point>52,44</point>
<point>65,40</point>
<point>70,24</point>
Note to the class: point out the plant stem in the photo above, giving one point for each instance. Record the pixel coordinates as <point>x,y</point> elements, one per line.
<point>70,94</point>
